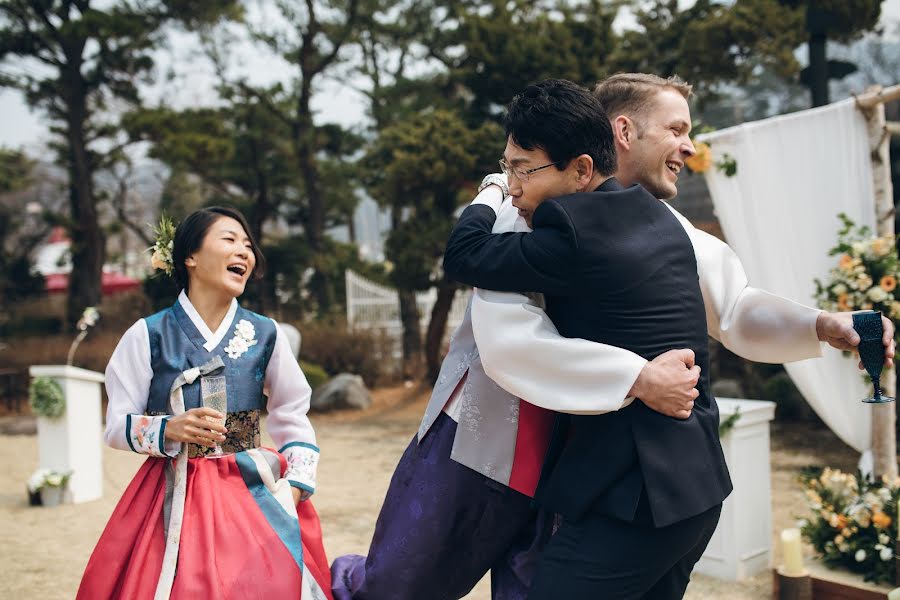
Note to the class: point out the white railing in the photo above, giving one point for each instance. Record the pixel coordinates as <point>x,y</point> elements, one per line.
<point>371,305</point>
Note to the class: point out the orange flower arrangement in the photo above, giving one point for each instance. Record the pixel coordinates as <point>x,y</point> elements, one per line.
<point>881,520</point>
<point>702,160</point>
<point>850,523</point>
<point>866,274</point>
<point>843,303</point>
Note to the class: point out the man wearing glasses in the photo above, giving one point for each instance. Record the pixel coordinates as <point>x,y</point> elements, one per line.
<point>639,492</point>
<point>460,500</point>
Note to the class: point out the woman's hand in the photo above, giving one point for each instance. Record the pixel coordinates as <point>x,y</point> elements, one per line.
<point>194,427</point>
<point>298,493</point>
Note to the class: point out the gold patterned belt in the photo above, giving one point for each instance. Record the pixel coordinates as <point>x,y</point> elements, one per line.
<point>243,434</point>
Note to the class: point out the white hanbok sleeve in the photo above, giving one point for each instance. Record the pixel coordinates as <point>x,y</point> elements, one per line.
<point>128,377</point>
<point>522,351</point>
<point>750,322</point>
<point>288,423</point>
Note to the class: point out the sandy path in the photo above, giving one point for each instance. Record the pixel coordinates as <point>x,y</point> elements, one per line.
<point>46,550</point>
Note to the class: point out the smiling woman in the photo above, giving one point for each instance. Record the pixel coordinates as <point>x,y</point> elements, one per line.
<point>185,387</point>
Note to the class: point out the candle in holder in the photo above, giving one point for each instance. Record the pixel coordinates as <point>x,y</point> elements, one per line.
<point>792,552</point>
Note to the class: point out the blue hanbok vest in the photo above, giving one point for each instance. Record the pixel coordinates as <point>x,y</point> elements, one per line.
<point>176,345</point>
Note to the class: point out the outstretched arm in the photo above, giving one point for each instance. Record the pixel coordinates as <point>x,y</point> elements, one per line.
<point>758,325</point>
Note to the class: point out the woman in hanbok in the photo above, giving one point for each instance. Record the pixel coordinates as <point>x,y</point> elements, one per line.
<point>210,514</point>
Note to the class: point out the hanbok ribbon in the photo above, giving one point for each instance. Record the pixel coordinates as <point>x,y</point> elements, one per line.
<point>179,487</point>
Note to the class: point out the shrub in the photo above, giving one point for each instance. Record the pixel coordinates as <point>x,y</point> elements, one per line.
<point>339,350</point>
<point>315,374</point>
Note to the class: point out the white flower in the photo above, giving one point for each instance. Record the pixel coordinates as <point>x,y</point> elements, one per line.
<point>877,294</point>
<point>839,289</point>
<point>47,477</point>
<point>886,554</point>
<point>245,330</point>
<point>860,555</point>
<point>860,247</point>
<point>802,523</point>
<point>884,538</point>
<point>37,479</point>
<point>244,334</point>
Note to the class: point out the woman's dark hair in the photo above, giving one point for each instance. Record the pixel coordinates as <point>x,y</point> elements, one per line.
<point>564,120</point>
<point>191,232</point>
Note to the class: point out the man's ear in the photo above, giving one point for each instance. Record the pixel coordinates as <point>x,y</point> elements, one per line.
<point>584,170</point>
<point>623,131</point>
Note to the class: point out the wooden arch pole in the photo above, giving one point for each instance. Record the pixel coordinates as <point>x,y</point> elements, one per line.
<point>884,416</point>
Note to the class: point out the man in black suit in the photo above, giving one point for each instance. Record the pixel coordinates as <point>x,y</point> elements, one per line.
<point>640,493</point>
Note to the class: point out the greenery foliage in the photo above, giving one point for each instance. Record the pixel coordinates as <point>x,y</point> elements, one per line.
<point>46,398</point>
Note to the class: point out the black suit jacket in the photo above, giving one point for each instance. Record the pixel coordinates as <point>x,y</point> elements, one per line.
<point>616,267</point>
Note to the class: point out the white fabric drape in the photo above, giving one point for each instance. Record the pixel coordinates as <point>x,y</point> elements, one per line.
<point>795,173</point>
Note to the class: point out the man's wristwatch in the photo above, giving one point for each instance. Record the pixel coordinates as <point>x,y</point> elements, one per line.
<point>495,179</point>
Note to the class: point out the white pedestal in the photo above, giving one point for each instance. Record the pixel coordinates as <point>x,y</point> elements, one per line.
<point>73,441</point>
<point>742,544</point>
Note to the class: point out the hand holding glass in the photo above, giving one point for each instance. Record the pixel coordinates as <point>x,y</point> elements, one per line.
<point>871,350</point>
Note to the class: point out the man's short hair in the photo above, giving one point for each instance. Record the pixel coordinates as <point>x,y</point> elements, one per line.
<point>633,93</point>
<point>564,120</point>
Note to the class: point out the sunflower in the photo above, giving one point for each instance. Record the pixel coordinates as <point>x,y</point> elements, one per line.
<point>888,283</point>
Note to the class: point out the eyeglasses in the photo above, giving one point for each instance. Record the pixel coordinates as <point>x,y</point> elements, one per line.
<point>522,174</point>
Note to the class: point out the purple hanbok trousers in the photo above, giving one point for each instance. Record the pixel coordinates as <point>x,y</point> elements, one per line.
<point>442,527</point>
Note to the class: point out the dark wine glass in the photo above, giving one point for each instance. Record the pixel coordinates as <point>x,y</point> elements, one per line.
<point>871,350</point>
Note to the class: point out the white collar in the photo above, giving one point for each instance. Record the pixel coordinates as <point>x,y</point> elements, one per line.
<point>212,339</point>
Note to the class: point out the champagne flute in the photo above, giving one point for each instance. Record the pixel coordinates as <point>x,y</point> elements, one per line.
<point>213,395</point>
<point>871,350</point>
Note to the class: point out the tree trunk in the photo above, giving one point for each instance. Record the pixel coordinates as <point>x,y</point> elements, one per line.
<point>262,210</point>
<point>437,326</point>
<point>88,244</point>
<point>412,334</point>
<point>818,69</point>
<point>304,148</point>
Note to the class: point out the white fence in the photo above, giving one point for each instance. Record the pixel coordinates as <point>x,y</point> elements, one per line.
<point>374,306</point>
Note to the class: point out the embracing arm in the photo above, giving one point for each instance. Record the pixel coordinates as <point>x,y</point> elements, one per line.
<point>288,423</point>
<point>541,261</point>
<point>522,351</point>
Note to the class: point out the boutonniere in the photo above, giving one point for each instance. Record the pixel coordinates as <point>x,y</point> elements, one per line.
<point>244,337</point>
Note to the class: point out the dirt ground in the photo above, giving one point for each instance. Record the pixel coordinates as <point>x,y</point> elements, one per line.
<point>46,549</point>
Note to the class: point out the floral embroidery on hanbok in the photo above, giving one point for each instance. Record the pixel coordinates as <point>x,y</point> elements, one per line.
<point>244,337</point>
<point>145,434</point>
